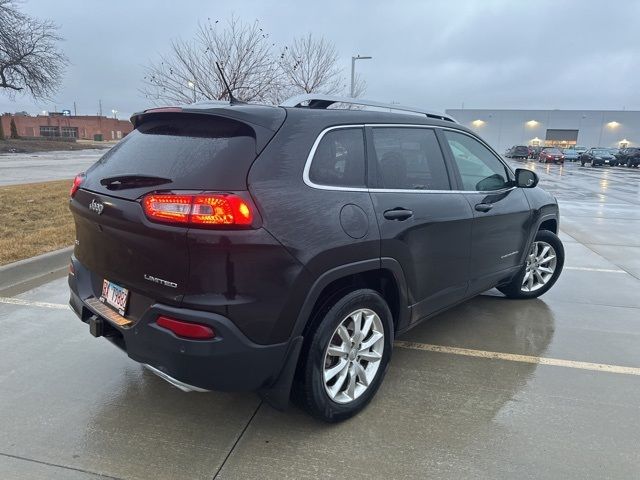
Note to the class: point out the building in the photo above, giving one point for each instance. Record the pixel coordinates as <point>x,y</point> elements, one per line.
<point>561,128</point>
<point>66,126</point>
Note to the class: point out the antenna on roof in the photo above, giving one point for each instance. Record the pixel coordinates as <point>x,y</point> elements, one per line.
<point>232,100</point>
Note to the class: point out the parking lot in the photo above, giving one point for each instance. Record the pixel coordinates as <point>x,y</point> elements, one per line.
<point>494,388</point>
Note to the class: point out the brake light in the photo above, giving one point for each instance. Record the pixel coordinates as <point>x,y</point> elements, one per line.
<point>208,209</point>
<point>194,331</point>
<point>76,184</point>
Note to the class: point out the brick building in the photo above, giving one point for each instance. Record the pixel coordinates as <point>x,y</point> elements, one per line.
<point>90,127</point>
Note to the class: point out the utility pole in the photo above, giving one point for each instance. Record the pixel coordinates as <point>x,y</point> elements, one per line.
<point>353,71</point>
<point>75,110</point>
<point>100,107</point>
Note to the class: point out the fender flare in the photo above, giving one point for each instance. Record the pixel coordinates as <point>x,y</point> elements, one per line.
<point>384,263</point>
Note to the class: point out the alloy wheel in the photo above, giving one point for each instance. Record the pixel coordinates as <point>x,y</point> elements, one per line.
<point>540,267</point>
<point>353,356</point>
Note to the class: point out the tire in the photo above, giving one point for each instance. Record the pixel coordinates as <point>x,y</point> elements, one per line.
<point>310,389</point>
<point>517,289</point>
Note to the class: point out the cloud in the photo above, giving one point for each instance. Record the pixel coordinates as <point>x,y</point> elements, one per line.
<point>437,54</point>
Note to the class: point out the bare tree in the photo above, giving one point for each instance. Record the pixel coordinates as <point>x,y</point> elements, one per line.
<point>30,61</point>
<point>188,72</point>
<point>310,65</point>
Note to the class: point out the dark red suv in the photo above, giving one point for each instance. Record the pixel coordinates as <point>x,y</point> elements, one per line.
<point>248,247</point>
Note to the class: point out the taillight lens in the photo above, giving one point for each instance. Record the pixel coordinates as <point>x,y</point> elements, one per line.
<point>194,331</point>
<point>76,184</point>
<point>207,209</point>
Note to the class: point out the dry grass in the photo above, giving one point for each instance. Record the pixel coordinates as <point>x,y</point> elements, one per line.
<point>34,219</point>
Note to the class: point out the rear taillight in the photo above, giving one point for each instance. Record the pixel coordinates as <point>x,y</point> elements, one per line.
<point>76,184</point>
<point>206,209</point>
<point>194,331</point>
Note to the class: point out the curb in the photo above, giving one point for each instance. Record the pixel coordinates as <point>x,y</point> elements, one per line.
<point>25,274</point>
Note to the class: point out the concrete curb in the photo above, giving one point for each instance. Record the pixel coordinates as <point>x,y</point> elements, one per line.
<point>30,272</point>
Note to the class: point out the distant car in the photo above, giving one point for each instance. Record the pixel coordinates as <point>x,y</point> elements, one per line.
<point>598,156</point>
<point>551,155</point>
<point>580,149</point>
<point>518,151</point>
<point>534,152</point>
<point>570,154</point>
<point>629,156</point>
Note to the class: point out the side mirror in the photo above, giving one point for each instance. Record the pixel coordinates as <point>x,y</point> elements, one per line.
<point>526,178</point>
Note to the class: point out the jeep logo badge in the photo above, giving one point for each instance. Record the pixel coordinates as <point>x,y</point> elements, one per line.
<point>96,206</point>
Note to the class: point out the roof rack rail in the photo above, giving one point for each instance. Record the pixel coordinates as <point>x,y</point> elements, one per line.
<point>320,101</point>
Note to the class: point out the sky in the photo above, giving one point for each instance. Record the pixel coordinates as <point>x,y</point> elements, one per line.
<point>538,54</point>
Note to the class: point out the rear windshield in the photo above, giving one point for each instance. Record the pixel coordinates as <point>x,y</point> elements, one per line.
<point>193,152</point>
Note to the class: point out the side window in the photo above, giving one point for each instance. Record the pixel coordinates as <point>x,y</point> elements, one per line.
<point>479,168</point>
<point>339,159</point>
<point>409,159</point>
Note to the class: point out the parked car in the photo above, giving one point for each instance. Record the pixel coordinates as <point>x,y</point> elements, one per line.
<point>249,247</point>
<point>570,154</point>
<point>534,152</point>
<point>551,155</point>
<point>580,149</point>
<point>518,151</point>
<point>597,156</point>
<point>629,156</point>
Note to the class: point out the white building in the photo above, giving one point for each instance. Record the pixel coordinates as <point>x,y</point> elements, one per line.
<point>563,128</point>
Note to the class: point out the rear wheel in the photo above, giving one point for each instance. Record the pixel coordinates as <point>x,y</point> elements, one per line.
<point>542,268</point>
<point>345,356</point>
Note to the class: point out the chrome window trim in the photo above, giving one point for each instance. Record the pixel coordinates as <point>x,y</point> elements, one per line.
<point>307,165</point>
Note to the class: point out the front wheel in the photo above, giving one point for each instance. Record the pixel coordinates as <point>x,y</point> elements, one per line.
<point>543,266</point>
<point>345,356</point>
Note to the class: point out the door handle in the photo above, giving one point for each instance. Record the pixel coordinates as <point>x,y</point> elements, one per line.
<point>484,207</point>
<point>398,214</point>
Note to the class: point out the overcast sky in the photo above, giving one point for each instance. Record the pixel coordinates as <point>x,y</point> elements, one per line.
<point>581,54</point>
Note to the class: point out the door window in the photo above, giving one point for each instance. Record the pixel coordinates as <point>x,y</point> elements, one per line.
<point>479,168</point>
<point>409,159</point>
<point>339,159</point>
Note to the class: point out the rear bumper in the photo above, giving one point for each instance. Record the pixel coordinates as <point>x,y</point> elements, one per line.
<point>228,362</point>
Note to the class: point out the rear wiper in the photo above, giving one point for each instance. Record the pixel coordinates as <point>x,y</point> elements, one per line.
<point>121,182</point>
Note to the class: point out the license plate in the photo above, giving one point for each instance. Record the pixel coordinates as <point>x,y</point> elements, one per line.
<point>115,296</point>
<point>606,161</point>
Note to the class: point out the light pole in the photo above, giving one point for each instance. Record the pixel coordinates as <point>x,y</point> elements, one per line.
<point>192,86</point>
<point>115,114</point>
<point>353,71</point>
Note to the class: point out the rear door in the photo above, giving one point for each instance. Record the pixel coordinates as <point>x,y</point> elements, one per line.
<point>177,153</point>
<point>423,224</point>
<point>501,211</point>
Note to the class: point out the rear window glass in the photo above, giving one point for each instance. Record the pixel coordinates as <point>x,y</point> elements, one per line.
<point>339,159</point>
<point>409,159</point>
<point>207,153</point>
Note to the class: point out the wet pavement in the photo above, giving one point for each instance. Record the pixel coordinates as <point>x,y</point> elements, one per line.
<point>18,168</point>
<point>74,407</point>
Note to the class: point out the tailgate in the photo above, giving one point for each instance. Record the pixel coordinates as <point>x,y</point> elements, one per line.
<point>119,244</point>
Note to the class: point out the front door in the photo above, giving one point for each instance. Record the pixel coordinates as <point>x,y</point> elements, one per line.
<point>423,224</point>
<point>501,211</point>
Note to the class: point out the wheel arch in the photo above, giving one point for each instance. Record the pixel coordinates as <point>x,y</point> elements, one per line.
<point>383,275</point>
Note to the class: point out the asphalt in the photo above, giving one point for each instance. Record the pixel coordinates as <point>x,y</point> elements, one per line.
<point>493,388</point>
<point>19,168</point>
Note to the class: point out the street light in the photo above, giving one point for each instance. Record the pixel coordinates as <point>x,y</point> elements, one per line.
<point>192,86</point>
<point>115,114</point>
<point>353,71</point>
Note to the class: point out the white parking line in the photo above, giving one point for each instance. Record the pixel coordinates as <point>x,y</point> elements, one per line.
<point>29,303</point>
<point>587,269</point>
<point>512,357</point>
